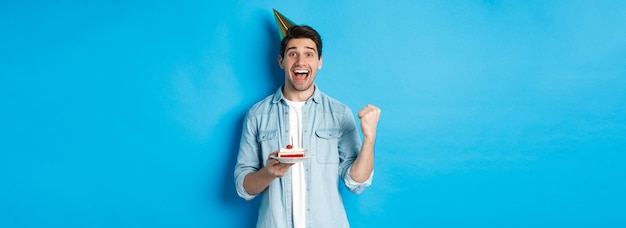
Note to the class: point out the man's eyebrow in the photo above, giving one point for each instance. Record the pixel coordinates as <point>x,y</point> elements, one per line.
<point>307,47</point>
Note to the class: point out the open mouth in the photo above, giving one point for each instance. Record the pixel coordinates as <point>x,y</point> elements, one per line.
<point>300,75</point>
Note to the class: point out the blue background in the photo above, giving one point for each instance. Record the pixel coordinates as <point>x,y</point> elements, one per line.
<point>495,113</point>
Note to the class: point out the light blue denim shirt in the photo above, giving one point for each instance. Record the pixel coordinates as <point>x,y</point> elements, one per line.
<point>329,135</point>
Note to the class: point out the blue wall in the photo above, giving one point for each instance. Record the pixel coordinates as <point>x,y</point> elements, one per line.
<point>495,113</point>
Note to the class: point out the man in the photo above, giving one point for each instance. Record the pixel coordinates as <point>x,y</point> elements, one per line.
<point>304,194</point>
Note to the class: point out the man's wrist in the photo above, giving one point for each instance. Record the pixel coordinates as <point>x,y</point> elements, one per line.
<point>268,173</point>
<point>369,139</point>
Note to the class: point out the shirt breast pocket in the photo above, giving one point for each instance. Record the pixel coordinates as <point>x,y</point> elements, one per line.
<point>268,140</point>
<point>327,146</point>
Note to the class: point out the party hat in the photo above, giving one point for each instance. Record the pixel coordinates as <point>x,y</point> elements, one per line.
<point>283,23</point>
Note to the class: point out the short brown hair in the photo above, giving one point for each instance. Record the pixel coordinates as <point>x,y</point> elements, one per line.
<point>301,31</point>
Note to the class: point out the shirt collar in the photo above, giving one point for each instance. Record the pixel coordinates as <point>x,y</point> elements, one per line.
<point>278,95</point>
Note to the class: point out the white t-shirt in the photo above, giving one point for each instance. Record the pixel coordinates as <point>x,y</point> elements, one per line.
<point>298,185</point>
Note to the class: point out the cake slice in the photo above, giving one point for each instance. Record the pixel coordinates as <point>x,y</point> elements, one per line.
<point>291,152</point>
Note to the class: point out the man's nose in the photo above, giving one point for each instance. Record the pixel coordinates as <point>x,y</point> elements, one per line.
<point>298,60</point>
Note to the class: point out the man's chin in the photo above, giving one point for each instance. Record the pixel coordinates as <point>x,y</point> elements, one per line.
<point>302,87</point>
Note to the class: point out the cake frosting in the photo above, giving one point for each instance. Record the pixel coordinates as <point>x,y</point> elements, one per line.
<point>291,152</point>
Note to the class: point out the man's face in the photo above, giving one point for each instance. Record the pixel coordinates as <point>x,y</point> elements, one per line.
<point>300,63</point>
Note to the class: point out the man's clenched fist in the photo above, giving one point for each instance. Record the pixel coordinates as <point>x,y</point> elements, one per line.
<point>369,120</point>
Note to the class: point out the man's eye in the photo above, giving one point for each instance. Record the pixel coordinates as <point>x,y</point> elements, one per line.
<point>292,54</point>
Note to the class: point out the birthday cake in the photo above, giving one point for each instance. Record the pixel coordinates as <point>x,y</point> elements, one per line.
<point>291,152</point>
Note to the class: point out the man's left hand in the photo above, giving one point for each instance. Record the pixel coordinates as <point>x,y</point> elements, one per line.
<point>369,120</point>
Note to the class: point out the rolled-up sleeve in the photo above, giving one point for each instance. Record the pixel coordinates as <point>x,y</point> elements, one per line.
<point>357,187</point>
<point>241,191</point>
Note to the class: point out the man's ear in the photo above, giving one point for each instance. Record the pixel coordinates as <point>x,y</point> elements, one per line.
<point>280,62</point>
<point>319,66</point>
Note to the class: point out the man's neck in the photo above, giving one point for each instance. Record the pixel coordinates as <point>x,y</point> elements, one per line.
<point>293,95</point>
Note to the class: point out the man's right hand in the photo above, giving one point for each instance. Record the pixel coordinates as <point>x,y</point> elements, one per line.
<point>255,182</point>
<point>274,168</point>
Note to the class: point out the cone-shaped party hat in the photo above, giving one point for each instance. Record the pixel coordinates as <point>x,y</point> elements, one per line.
<point>283,23</point>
